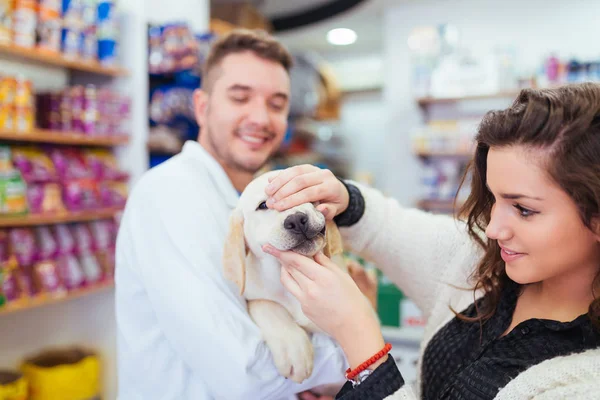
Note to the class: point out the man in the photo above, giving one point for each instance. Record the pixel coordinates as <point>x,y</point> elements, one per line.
<point>183,331</point>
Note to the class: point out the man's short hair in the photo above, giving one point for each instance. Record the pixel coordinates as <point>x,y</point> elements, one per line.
<point>255,41</point>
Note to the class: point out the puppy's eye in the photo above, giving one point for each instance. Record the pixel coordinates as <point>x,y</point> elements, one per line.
<point>262,206</point>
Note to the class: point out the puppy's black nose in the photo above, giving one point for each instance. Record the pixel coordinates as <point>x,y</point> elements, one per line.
<point>296,223</point>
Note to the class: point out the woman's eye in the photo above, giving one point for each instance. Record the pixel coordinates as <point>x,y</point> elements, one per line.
<point>262,206</point>
<point>524,212</point>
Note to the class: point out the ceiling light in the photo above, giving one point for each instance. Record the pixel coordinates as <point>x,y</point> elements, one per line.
<point>341,36</point>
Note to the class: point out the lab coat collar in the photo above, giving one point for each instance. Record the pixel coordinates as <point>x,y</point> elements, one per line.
<point>197,153</point>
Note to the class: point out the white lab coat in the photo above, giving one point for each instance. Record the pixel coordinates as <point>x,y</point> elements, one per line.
<point>183,331</point>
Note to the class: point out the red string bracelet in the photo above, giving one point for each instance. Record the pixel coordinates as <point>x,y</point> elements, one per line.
<point>351,374</point>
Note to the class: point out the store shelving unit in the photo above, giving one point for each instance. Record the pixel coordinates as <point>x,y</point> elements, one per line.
<point>56,218</point>
<point>43,136</point>
<point>427,101</point>
<point>61,137</point>
<point>58,60</point>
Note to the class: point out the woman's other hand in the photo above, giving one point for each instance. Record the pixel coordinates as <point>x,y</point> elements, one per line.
<point>365,280</point>
<point>308,184</point>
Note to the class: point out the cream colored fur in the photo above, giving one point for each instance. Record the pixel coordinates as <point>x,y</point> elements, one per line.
<point>257,275</point>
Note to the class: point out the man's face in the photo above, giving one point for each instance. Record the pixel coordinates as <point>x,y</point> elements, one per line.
<point>244,116</point>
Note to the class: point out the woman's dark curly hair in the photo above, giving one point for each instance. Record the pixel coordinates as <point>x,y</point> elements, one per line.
<point>565,124</point>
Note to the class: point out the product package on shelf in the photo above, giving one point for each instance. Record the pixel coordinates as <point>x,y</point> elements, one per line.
<point>49,179</point>
<point>89,110</point>
<point>173,47</point>
<point>49,26</point>
<point>53,260</point>
<point>17,105</point>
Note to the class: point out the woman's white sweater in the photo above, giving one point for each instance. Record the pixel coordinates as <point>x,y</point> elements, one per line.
<point>430,257</point>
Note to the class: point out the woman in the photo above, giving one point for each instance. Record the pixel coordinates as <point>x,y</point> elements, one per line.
<point>511,291</point>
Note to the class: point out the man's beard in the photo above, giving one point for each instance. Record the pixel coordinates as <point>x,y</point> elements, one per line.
<point>228,158</point>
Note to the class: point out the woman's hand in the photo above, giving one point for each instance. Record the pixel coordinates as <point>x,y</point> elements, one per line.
<point>330,298</point>
<point>308,184</point>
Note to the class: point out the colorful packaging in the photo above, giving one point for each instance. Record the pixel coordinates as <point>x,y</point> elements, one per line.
<point>45,198</point>
<point>35,166</point>
<point>24,120</point>
<point>13,193</point>
<point>46,243</point>
<point>24,23</point>
<point>26,283</point>
<point>8,87</point>
<point>64,238</point>
<point>49,26</point>
<point>81,194</point>
<point>23,245</point>
<point>13,386</point>
<point>107,33</point>
<point>5,159</point>
<point>7,117</point>
<point>102,234</point>
<point>69,163</point>
<point>70,272</point>
<point>46,278</point>
<point>7,9</point>
<point>10,284</point>
<point>103,165</point>
<point>113,194</point>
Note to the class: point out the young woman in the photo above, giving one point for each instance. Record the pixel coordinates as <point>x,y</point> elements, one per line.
<point>511,289</point>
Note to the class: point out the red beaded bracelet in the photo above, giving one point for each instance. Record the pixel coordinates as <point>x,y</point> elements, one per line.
<point>351,374</point>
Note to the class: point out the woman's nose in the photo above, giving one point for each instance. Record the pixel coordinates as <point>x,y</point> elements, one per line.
<point>498,228</point>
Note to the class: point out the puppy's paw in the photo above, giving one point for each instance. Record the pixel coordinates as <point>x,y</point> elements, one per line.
<point>293,353</point>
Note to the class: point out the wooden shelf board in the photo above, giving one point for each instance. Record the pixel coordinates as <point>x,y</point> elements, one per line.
<point>60,137</point>
<point>60,60</point>
<point>425,101</point>
<point>46,299</point>
<point>56,218</point>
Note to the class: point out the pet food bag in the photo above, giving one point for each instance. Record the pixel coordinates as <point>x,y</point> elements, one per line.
<point>13,386</point>
<point>63,374</point>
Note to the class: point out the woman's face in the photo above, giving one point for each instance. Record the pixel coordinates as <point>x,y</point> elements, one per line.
<point>536,224</point>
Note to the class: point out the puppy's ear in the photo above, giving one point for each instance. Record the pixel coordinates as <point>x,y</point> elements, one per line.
<point>334,244</point>
<point>234,252</point>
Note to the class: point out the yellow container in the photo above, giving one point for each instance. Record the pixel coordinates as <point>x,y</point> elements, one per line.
<point>13,386</point>
<point>70,374</point>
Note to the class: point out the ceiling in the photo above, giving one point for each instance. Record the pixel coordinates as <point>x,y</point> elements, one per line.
<point>362,16</point>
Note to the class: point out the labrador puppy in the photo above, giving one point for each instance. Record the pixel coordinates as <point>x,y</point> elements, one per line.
<point>275,311</point>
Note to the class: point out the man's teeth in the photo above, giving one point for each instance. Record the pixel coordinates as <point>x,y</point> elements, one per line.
<point>252,139</point>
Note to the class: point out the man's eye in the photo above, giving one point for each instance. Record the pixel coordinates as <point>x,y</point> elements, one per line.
<point>262,206</point>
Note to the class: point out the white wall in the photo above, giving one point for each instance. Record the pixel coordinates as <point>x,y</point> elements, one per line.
<point>535,27</point>
<point>363,127</point>
<point>90,321</point>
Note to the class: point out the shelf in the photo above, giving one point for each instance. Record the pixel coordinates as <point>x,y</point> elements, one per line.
<point>61,61</point>
<point>57,218</point>
<point>426,101</point>
<point>66,138</point>
<point>448,154</point>
<point>44,300</point>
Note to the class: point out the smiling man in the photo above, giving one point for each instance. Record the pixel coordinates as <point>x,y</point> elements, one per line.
<point>183,330</point>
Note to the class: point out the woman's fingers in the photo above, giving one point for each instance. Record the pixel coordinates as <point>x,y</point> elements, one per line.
<point>309,195</point>
<point>285,176</point>
<point>297,184</point>
<point>295,261</point>
<point>288,281</point>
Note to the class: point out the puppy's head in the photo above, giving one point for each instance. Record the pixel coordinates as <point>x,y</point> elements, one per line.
<point>301,229</point>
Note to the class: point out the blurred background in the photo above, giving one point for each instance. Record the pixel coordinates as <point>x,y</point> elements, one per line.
<point>95,92</point>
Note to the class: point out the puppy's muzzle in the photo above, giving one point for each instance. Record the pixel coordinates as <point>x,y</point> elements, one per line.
<point>298,224</point>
